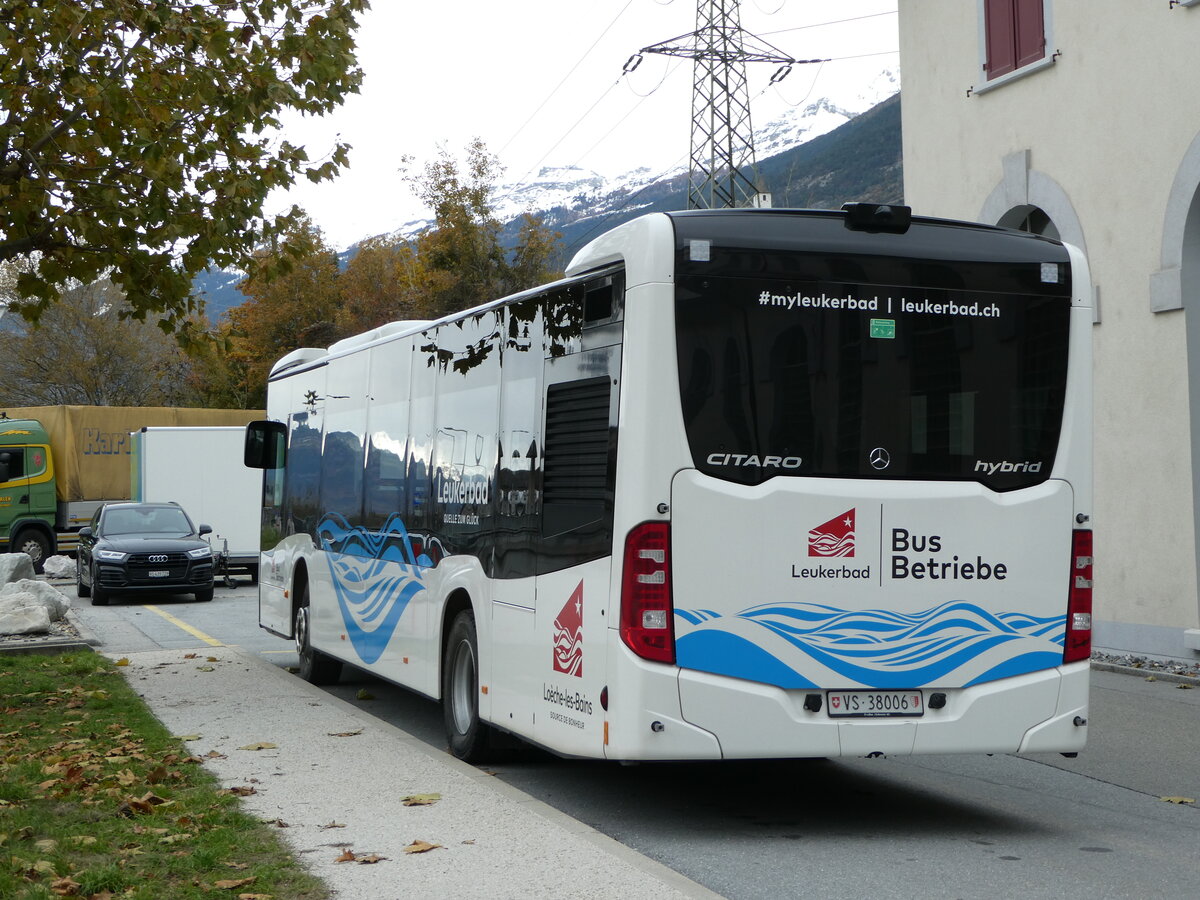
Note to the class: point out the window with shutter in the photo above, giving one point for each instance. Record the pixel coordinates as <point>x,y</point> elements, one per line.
<point>1015,35</point>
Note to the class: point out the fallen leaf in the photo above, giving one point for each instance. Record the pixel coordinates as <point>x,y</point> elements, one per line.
<point>211,659</point>
<point>261,745</point>
<point>347,856</point>
<point>370,858</point>
<point>421,847</point>
<point>206,668</point>
<point>255,897</point>
<point>364,694</point>
<point>188,737</point>
<point>123,661</point>
<point>354,733</point>
<point>230,884</point>
<point>1177,799</point>
<point>279,823</point>
<point>332,825</point>
<point>421,799</point>
<point>234,865</point>
<point>157,775</point>
<point>214,754</point>
<point>1183,687</point>
<point>48,845</point>
<point>1151,678</point>
<point>190,655</point>
<point>65,887</point>
<point>239,790</point>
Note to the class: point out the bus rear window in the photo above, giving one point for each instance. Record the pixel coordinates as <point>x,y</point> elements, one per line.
<point>870,381</point>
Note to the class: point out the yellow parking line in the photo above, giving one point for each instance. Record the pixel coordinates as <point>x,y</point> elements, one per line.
<point>194,632</point>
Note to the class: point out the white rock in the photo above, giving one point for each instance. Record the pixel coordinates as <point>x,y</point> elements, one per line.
<point>24,620</point>
<point>14,566</point>
<point>39,594</point>
<point>59,567</point>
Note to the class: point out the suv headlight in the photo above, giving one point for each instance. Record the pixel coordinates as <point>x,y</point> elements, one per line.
<point>200,553</point>
<point>111,555</point>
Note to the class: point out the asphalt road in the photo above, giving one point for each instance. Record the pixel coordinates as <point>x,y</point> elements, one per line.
<point>953,826</point>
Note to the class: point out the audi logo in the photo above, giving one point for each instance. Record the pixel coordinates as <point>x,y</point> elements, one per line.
<point>158,557</point>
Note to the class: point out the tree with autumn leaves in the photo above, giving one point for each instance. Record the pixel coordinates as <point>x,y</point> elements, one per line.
<point>139,140</point>
<point>458,263</point>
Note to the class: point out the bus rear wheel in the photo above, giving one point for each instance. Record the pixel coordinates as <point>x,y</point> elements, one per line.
<point>315,667</point>
<point>469,738</point>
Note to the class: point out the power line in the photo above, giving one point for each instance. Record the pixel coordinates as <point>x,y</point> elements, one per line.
<point>566,77</point>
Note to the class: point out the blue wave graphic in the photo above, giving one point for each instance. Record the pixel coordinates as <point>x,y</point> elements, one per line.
<point>801,645</point>
<point>375,576</point>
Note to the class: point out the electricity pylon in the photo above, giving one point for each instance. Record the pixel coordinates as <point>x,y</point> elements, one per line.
<point>723,171</point>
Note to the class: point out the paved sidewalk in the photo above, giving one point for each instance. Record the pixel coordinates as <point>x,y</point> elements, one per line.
<point>334,764</point>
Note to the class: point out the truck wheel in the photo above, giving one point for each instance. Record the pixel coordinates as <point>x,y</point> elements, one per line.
<point>315,666</point>
<point>469,738</point>
<point>33,542</point>
<point>81,589</point>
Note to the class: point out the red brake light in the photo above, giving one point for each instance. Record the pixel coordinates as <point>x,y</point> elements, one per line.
<point>647,625</point>
<point>1079,604</point>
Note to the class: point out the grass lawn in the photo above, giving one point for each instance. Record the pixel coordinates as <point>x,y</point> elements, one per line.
<point>98,801</point>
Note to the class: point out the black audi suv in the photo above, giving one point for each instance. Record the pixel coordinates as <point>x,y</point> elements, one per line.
<point>135,548</point>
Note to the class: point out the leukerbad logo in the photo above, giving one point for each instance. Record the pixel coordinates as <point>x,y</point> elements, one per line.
<point>568,636</point>
<point>833,538</point>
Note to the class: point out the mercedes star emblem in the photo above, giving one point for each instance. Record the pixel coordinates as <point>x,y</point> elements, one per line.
<point>880,458</point>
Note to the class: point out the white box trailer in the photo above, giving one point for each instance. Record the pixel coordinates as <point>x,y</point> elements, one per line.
<point>201,469</point>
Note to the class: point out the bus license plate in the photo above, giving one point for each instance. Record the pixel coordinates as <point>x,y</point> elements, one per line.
<point>158,574</point>
<point>875,703</point>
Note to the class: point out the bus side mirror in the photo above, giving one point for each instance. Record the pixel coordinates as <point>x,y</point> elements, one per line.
<point>265,445</point>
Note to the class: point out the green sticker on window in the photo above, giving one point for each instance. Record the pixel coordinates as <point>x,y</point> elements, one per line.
<point>883,328</point>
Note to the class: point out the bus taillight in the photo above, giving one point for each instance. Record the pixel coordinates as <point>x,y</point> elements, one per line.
<point>646,611</point>
<point>1078,645</point>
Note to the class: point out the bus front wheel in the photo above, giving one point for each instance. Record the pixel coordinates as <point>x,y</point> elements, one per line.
<point>467,735</point>
<point>315,667</point>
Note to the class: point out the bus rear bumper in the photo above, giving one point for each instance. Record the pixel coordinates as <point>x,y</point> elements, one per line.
<point>1036,712</point>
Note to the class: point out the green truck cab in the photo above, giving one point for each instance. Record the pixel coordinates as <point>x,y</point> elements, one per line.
<point>28,495</point>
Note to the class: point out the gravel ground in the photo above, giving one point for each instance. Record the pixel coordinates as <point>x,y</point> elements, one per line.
<point>1148,665</point>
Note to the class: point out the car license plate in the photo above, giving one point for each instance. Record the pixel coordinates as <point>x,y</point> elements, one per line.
<point>875,703</point>
<point>159,573</point>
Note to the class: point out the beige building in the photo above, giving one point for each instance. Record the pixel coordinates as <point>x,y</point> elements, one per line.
<point>1081,120</point>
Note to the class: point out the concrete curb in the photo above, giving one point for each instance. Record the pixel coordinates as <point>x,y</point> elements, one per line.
<point>1174,677</point>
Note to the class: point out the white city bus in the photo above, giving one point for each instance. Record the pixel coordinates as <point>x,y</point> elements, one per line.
<point>745,483</point>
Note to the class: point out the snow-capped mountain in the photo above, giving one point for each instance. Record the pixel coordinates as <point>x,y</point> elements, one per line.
<point>570,189</point>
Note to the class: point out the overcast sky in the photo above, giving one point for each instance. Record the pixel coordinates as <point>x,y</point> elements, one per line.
<point>540,82</point>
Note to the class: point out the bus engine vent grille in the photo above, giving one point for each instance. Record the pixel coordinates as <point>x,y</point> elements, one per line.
<point>576,474</point>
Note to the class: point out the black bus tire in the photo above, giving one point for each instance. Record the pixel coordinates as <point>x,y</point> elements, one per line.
<point>315,667</point>
<point>469,738</point>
